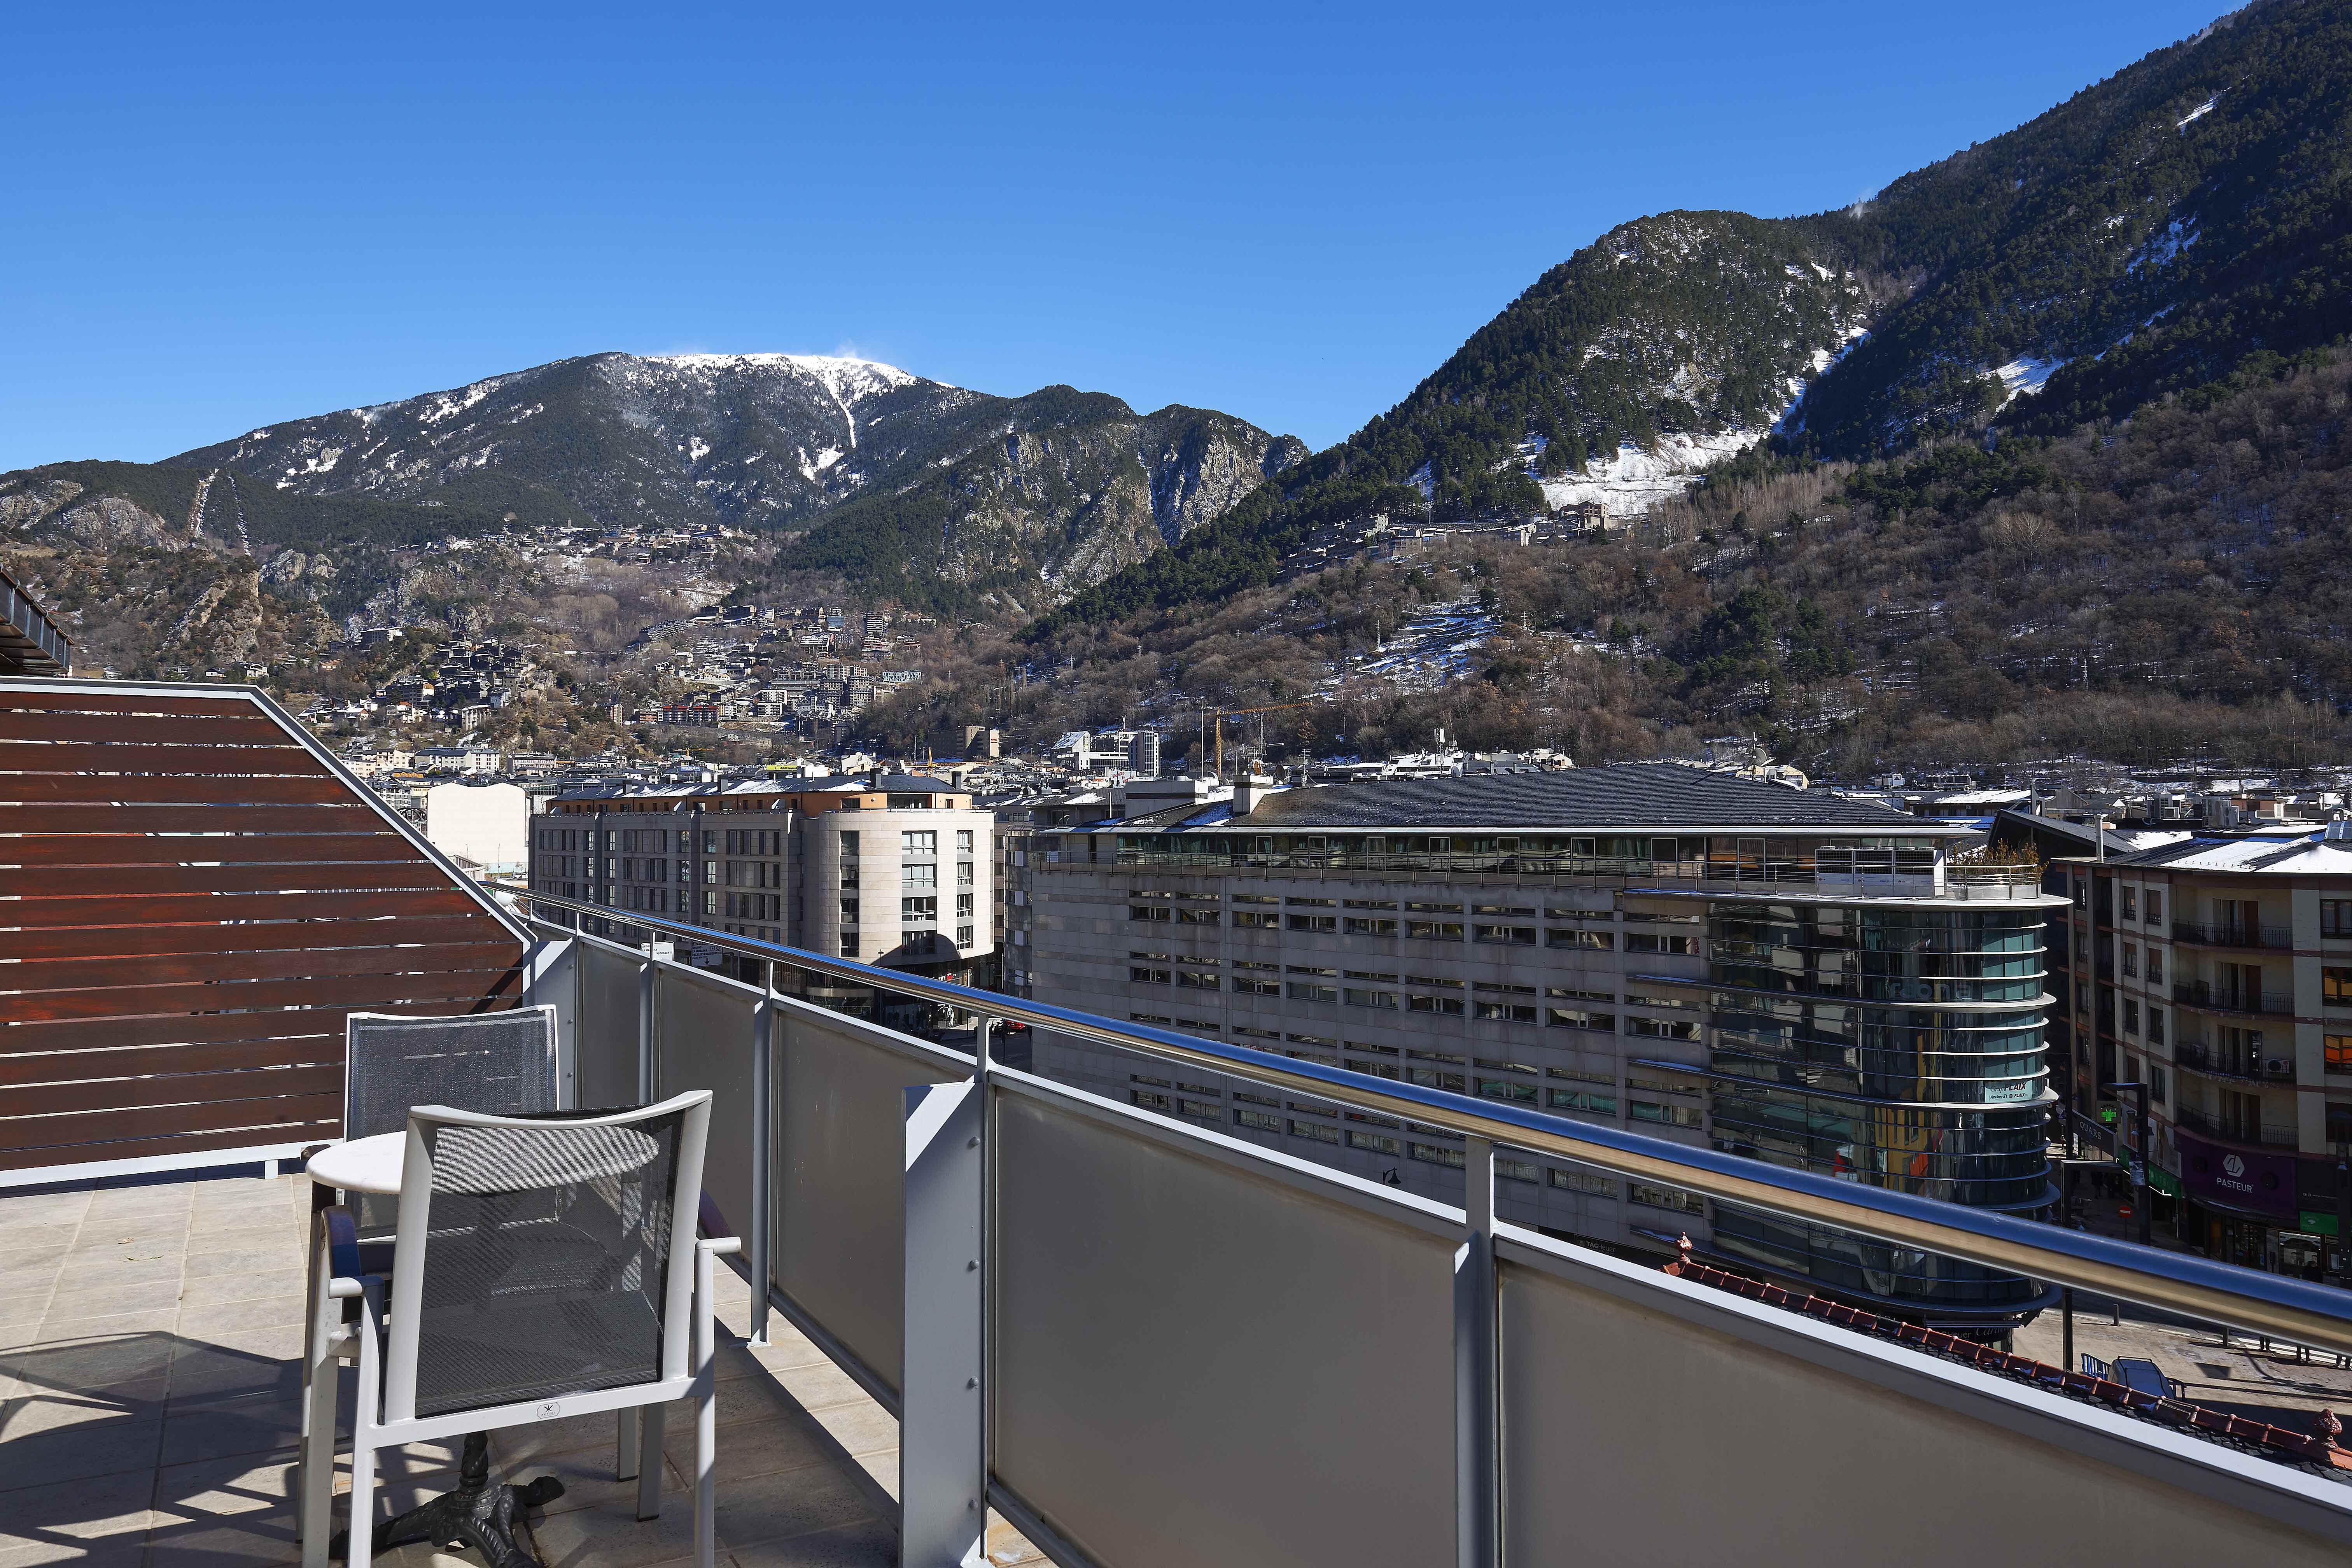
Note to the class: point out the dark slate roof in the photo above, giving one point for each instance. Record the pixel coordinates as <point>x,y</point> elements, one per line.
<point>1630,795</point>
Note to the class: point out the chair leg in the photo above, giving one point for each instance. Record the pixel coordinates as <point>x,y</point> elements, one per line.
<point>625,1463</point>
<point>316,1473</point>
<point>360,1552</point>
<point>649,1462</point>
<point>706,1417</point>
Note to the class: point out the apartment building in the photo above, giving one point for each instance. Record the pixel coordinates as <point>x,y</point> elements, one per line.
<point>2218,970</point>
<point>1712,960</point>
<point>892,869</point>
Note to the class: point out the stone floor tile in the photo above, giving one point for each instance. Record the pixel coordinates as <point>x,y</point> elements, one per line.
<point>609,1535</point>
<point>202,1319</point>
<point>754,1447</point>
<point>22,1259</point>
<point>788,1503</point>
<point>86,1510</point>
<point>60,1326</point>
<point>867,1543</point>
<point>80,1452</point>
<point>114,1300</point>
<point>102,1271</point>
<point>234,1365</point>
<point>205,1262</point>
<point>818,1385</point>
<point>218,1289</point>
<point>104,1361</point>
<point>245,1427</point>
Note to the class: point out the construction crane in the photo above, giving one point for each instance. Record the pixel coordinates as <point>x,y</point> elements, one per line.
<point>1237,713</point>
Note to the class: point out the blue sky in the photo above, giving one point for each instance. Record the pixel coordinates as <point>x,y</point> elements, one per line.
<point>222,217</point>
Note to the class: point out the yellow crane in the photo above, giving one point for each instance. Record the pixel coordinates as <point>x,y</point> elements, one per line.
<point>1237,712</point>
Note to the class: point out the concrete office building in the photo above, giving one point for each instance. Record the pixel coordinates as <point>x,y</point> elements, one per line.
<point>2218,970</point>
<point>1707,959</point>
<point>892,869</point>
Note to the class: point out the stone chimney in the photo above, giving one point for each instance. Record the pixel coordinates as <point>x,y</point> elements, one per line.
<point>1248,790</point>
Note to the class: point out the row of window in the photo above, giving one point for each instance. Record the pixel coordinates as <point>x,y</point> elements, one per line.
<point>1418,930</point>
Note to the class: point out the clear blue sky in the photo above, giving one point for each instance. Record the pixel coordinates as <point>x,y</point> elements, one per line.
<point>222,215</point>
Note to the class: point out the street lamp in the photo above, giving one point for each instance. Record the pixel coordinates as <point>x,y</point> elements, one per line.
<point>2140,1139</point>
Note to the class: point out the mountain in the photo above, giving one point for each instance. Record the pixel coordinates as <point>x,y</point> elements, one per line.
<point>907,488</point>
<point>2187,215</point>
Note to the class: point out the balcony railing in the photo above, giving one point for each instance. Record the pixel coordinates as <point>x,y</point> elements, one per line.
<point>1065,1301</point>
<point>2273,1065</point>
<point>2268,1135</point>
<point>2280,938</point>
<point>2214,998</point>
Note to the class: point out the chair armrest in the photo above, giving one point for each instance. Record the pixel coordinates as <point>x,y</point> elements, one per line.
<point>719,1246</point>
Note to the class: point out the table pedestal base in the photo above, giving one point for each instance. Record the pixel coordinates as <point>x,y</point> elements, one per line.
<point>477,1514</point>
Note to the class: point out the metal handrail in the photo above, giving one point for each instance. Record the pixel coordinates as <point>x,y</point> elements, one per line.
<point>2193,1286</point>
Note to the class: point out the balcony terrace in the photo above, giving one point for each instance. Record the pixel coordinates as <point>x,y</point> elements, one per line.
<point>1141,1342</point>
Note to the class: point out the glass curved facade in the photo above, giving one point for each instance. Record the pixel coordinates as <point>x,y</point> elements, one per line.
<point>1900,1048</point>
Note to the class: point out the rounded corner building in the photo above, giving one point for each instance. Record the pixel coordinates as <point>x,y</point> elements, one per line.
<point>1788,974</point>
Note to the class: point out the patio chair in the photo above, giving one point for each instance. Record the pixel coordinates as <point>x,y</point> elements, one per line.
<point>543,1266</point>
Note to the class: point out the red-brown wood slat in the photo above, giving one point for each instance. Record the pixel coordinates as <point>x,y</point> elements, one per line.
<point>204,909</point>
<point>136,942</point>
<point>93,1133</point>
<point>250,729</point>
<point>410,875</point>
<point>371,840</point>
<point>139,1061</point>
<point>192,789</point>
<point>188,968</point>
<point>183,1148</point>
<point>187,818</point>
<point>80,756</point>
<point>177,1088</point>
<point>168,704</point>
<point>212,1028</point>
<point>345,991</point>
<point>199,901</point>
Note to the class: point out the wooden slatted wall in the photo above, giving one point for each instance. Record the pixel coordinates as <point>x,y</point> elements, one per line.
<point>191,901</point>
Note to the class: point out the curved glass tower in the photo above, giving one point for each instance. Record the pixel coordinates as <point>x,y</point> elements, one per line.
<point>1899,1047</point>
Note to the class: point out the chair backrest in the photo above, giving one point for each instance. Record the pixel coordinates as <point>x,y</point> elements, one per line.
<point>500,1063</point>
<point>543,1256</point>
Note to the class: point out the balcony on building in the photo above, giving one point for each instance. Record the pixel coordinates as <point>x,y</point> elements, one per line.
<point>980,1315</point>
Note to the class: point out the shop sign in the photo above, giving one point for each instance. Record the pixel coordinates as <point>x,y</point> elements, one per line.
<point>2240,1178</point>
<point>2164,1182</point>
<point>2318,1223</point>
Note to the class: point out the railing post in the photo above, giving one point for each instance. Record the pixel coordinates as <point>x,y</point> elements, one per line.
<point>645,971</point>
<point>763,1131</point>
<point>1477,1435</point>
<point>942,1494</point>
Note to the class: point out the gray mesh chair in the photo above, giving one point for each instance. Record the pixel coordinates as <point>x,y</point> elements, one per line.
<point>543,1266</point>
<point>499,1063</point>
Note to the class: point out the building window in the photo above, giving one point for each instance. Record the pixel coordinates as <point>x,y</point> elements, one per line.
<point>1147,912</point>
<point>2154,906</point>
<point>1432,1153</point>
<point>1516,936</point>
<point>920,877</point>
<point>1257,1121</point>
<point>1356,926</point>
<point>2335,987</point>
<point>963,840</point>
<point>1583,1181</point>
<point>2339,1122</point>
<point>2156,1083</point>
<point>922,841</point>
<point>1314,1129</point>
<point>2155,1025</point>
<point>2336,917</point>
<point>963,873</point>
<point>1315,922</point>
<point>917,911</point>
<point>1434,931</point>
<point>849,945</point>
<point>2156,966</point>
<point>963,936</point>
<point>1662,1197</point>
<point>1589,940</point>
<point>2131,961</point>
<point>1667,1115</point>
<point>2340,1053</point>
<point>849,911</point>
<point>2131,1015</point>
<point>1377,1144</point>
<point>2131,903</point>
<point>1652,941</point>
<point>1262,920</point>
<point>1662,1028</point>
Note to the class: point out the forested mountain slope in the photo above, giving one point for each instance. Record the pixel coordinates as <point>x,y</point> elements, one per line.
<point>2166,589</point>
<point>2144,237</point>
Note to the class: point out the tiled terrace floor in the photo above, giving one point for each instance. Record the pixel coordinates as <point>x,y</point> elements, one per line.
<point>150,1339</point>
